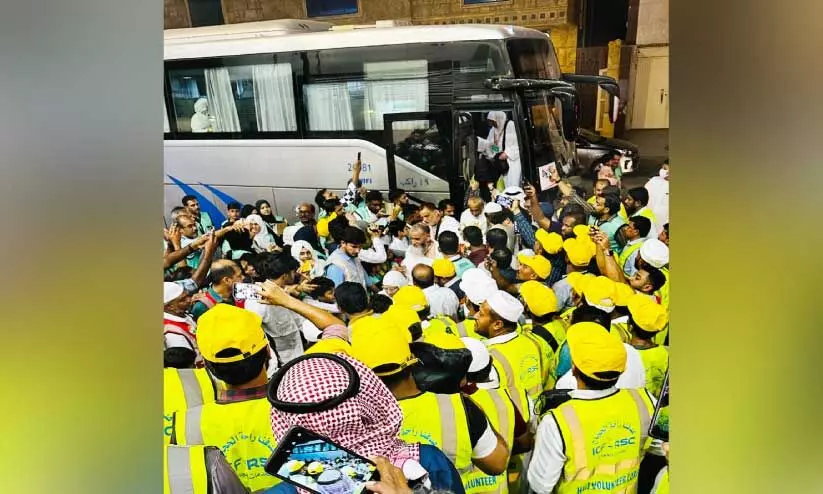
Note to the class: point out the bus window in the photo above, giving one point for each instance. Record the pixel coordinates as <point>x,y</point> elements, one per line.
<point>533,59</point>
<point>547,142</point>
<point>329,105</point>
<point>239,98</point>
<point>426,146</point>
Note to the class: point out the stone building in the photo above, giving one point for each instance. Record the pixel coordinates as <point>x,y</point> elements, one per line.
<point>558,17</point>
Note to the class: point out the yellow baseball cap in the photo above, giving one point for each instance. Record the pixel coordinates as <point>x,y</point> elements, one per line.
<point>226,327</point>
<point>581,231</point>
<point>386,352</point>
<point>411,297</point>
<point>539,298</point>
<point>402,317</point>
<point>539,264</point>
<point>647,314</point>
<point>594,351</point>
<point>443,267</point>
<point>442,337</point>
<point>622,294</point>
<point>551,242</point>
<point>331,345</point>
<point>578,281</point>
<point>580,250</point>
<point>599,293</point>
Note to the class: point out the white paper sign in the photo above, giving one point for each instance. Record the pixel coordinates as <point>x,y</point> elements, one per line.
<point>549,178</point>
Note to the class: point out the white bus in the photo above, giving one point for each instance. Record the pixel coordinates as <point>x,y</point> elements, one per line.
<point>276,110</point>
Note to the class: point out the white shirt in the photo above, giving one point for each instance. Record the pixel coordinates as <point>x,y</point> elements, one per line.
<point>374,255</point>
<point>548,458</point>
<point>468,219</point>
<point>442,300</point>
<point>415,256</point>
<point>634,377</point>
<point>447,224</point>
<point>173,340</point>
<point>398,247</point>
<point>659,198</point>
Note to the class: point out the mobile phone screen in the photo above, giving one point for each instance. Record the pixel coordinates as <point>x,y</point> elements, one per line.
<point>246,291</point>
<point>660,422</point>
<point>313,462</point>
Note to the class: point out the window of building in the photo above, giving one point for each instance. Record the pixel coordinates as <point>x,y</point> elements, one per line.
<point>205,13</point>
<point>476,2</point>
<point>247,98</point>
<point>323,8</point>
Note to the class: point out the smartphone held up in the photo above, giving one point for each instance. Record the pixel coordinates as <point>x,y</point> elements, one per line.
<point>317,464</point>
<point>246,291</point>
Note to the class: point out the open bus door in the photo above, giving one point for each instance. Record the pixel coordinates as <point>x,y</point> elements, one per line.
<point>420,154</point>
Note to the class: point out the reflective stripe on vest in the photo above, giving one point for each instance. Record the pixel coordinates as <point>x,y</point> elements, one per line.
<point>208,300</point>
<point>461,329</point>
<point>447,428</point>
<point>626,253</point>
<point>241,429</point>
<point>655,362</point>
<point>520,353</point>
<point>661,482</point>
<point>617,472</point>
<point>500,411</point>
<point>510,382</point>
<point>184,469</point>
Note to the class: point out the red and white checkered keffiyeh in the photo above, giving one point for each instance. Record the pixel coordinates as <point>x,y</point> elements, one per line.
<point>366,423</point>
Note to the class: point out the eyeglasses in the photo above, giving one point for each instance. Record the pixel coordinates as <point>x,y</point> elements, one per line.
<point>187,226</point>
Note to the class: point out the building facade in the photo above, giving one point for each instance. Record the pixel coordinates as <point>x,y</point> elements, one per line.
<point>557,17</point>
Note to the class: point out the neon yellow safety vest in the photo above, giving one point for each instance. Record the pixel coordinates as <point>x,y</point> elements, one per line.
<point>566,316</point>
<point>242,430</point>
<point>604,442</point>
<point>183,389</point>
<point>439,420</point>
<point>663,293</point>
<point>620,330</point>
<point>467,329</point>
<point>547,353</point>
<point>626,252</point>
<point>648,213</point>
<point>184,470</point>
<point>655,361</point>
<point>518,363</point>
<point>661,482</point>
<point>499,408</point>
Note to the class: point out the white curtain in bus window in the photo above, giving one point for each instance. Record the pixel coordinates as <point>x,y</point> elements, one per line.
<point>396,87</point>
<point>273,97</point>
<point>329,106</point>
<point>221,100</point>
<point>166,127</point>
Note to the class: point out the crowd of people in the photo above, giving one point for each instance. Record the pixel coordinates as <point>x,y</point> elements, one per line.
<point>510,344</point>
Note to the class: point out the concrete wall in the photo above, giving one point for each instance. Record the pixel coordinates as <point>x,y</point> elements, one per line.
<point>653,22</point>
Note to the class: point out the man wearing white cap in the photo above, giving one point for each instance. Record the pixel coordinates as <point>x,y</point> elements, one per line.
<point>392,281</point>
<point>517,358</point>
<point>655,253</point>
<point>179,328</point>
<point>477,285</point>
<point>496,219</point>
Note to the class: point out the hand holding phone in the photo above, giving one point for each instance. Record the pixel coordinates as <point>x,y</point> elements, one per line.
<point>246,291</point>
<point>317,464</point>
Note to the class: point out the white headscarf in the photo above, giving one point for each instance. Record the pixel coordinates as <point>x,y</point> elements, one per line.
<point>500,118</point>
<point>262,241</point>
<point>317,265</point>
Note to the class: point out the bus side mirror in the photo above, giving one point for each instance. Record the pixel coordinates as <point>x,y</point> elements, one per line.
<point>569,111</point>
<point>614,108</point>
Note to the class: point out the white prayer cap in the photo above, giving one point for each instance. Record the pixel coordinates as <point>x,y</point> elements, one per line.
<point>515,193</point>
<point>655,252</point>
<point>492,208</point>
<point>477,285</point>
<point>505,306</point>
<point>394,278</point>
<point>171,291</point>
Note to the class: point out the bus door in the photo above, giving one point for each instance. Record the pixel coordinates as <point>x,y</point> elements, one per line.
<point>470,123</point>
<point>419,154</point>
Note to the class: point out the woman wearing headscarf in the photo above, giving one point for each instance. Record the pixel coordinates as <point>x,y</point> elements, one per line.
<point>336,396</point>
<point>309,234</point>
<point>310,265</point>
<point>502,143</point>
<point>201,121</point>
<point>264,210</point>
<point>262,239</point>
